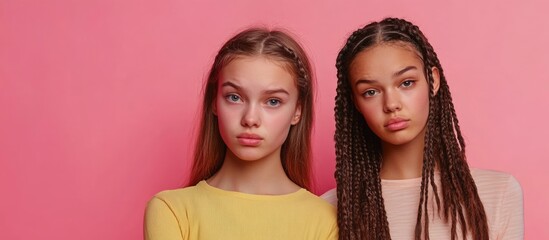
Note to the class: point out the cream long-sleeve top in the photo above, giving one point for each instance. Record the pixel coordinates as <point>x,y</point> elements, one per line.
<point>205,212</point>
<point>499,192</point>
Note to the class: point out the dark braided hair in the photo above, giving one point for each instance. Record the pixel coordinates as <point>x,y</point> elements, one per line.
<point>361,211</point>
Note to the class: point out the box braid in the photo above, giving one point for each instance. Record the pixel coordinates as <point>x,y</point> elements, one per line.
<point>361,212</point>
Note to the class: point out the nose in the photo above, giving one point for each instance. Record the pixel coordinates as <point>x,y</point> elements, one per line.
<point>391,102</point>
<point>251,116</point>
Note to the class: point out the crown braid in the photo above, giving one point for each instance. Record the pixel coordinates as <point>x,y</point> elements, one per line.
<point>361,212</point>
<point>304,82</point>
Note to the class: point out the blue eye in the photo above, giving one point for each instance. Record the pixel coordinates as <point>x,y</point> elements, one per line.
<point>232,98</point>
<point>370,93</point>
<point>273,102</point>
<point>407,83</point>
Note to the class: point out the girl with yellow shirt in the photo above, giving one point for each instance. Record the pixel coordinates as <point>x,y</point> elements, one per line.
<point>251,171</point>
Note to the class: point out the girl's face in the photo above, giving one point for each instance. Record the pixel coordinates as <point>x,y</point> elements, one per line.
<point>391,91</point>
<point>256,104</point>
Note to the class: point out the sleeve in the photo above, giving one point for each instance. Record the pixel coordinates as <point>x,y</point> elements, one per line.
<point>161,222</point>
<point>511,221</point>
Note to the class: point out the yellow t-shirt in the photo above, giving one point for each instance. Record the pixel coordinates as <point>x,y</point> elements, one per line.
<point>205,212</point>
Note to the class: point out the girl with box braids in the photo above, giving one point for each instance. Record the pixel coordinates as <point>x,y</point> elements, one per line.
<point>361,210</point>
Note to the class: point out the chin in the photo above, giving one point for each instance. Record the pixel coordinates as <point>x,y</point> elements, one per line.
<point>398,141</point>
<point>248,157</point>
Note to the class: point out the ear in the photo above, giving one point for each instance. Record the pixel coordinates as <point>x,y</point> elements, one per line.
<point>436,79</point>
<point>297,115</point>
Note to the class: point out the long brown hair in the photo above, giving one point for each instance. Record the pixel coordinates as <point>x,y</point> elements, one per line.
<point>295,153</point>
<point>361,211</point>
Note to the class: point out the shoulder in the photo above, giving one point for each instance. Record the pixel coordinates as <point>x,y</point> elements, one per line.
<point>490,180</point>
<point>490,174</point>
<point>176,203</point>
<point>330,196</point>
<point>320,214</point>
<point>317,202</point>
<point>501,196</point>
<point>313,208</point>
<point>176,198</point>
<point>174,194</point>
<point>497,188</point>
<point>166,213</point>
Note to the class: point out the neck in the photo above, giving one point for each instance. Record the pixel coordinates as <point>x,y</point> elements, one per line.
<point>403,161</point>
<point>263,176</point>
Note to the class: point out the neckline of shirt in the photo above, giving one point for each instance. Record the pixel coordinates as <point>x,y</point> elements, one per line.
<point>410,182</point>
<point>204,185</point>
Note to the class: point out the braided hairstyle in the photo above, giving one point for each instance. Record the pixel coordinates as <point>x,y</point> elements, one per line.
<point>361,211</point>
<point>280,47</point>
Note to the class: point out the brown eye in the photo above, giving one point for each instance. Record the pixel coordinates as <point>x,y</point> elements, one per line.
<point>370,93</point>
<point>407,83</point>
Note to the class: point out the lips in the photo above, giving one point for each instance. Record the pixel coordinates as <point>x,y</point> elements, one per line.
<point>396,124</point>
<point>248,139</point>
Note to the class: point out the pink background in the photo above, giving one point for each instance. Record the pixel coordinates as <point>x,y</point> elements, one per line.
<point>98,99</point>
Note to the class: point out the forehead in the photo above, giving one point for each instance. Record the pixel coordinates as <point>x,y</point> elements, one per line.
<point>287,64</point>
<point>256,70</point>
<point>384,59</point>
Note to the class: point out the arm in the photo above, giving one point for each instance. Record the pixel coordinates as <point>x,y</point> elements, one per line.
<point>161,222</point>
<point>511,220</point>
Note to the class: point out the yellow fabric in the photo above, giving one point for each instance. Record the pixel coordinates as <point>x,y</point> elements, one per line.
<point>205,212</point>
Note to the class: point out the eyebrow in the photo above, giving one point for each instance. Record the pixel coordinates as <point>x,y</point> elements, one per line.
<point>230,84</point>
<point>280,90</point>
<point>271,91</point>
<point>364,81</point>
<point>406,69</point>
<point>396,74</point>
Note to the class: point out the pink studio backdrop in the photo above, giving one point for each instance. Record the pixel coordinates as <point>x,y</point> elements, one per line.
<point>99,99</point>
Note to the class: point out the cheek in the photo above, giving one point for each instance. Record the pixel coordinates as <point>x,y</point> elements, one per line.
<point>421,105</point>
<point>277,121</point>
<point>224,116</point>
<point>370,111</point>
